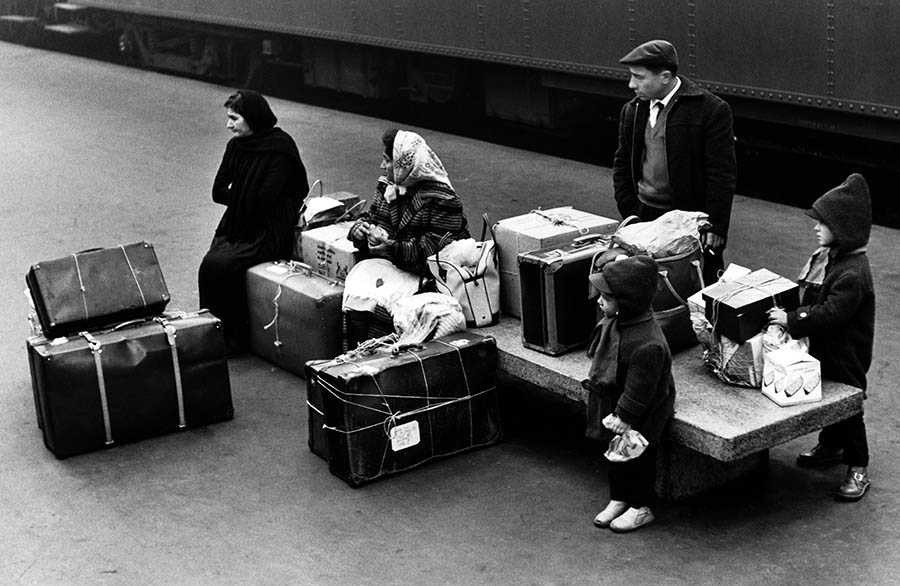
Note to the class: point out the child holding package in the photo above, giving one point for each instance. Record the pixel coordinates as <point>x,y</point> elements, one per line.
<point>630,385</point>
<point>837,312</point>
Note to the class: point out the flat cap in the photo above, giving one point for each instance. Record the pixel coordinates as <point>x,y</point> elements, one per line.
<point>657,53</point>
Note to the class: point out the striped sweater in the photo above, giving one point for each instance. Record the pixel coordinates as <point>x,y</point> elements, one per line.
<point>430,215</point>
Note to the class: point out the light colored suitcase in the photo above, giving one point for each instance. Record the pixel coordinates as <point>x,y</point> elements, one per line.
<point>295,314</point>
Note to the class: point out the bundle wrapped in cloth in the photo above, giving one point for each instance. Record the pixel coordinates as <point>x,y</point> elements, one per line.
<point>673,233</point>
<point>426,316</point>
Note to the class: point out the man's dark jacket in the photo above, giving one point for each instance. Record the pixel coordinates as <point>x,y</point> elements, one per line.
<point>699,152</point>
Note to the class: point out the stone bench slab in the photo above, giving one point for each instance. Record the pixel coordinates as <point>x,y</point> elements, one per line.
<point>726,422</point>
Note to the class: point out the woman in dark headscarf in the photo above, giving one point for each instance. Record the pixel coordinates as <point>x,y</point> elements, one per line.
<point>261,182</point>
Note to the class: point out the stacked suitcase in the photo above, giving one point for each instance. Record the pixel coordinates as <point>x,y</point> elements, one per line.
<point>111,367</point>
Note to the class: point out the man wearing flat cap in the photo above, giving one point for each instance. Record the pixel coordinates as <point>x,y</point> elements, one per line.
<point>676,149</point>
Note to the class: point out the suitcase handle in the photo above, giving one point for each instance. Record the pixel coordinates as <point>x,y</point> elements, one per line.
<point>587,239</point>
<point>95,249</point>
<point>129,324</point>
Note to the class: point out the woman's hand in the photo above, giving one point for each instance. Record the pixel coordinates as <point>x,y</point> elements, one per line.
<point>382,248</point>
<point>614,424</point>
<point>360,230</point>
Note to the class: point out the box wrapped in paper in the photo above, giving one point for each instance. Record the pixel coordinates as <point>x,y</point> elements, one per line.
<point>791,376</point>
<point>532,231</point>
<point>737,309</point>
<point>328,250</point>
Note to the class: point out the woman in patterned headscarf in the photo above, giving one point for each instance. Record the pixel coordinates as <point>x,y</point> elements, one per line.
<point>261,182</point>
<point>415,213</point>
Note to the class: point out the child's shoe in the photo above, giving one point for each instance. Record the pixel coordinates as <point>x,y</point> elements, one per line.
<point>610,513</point>
<point>820,457</point>
<point>632,520</point>
<point>855,485</point>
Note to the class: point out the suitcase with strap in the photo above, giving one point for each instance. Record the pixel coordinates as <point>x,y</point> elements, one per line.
<point>140,379</point>
<point>97,288</point>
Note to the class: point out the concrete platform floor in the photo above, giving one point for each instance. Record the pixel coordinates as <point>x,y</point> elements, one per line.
<point>96,155</point>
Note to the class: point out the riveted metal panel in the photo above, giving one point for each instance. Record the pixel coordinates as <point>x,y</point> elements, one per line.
<point>866,51</point>
<point>763,44</point>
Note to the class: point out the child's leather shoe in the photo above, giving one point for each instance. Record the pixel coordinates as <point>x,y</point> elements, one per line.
<point>820,457</point>
<point>610,513</point>
<point>855,484</point>
<point>632,520</point>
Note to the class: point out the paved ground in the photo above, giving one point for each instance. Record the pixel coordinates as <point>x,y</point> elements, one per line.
<point>96,155</point>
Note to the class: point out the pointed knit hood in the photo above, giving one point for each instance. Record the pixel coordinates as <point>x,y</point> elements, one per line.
<point>847,211</point>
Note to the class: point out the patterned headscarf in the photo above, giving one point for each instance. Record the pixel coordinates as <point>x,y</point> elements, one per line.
<point>414,161</point>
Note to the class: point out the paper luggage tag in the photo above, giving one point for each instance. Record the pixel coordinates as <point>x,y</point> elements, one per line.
<point>405,436</point>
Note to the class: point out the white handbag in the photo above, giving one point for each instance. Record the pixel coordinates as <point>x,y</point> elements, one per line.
<point>467,271</point>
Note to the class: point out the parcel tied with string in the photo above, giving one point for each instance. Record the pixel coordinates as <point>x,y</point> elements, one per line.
<point>295,314</point>
<point>737,308</point>
<point>384,412</point>
<point>535,230</point>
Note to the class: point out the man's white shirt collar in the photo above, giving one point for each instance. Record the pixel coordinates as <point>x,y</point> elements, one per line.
<point>665,101</point>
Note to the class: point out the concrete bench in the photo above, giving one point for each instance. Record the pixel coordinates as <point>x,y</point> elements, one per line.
<point>720,432</point>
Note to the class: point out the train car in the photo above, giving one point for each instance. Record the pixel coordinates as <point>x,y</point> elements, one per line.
<point>815,64</point>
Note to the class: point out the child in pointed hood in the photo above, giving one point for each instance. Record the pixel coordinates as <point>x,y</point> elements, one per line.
<point>837,313</point>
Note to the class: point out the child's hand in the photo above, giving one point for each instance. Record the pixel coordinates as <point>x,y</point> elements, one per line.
<point>778,317</point>
<point>614,424</point>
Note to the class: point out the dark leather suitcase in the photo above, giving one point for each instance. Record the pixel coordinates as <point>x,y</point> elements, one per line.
<point>384,413</point>
<point>558,313</point>
<point>97,288</point>
<point>142,379</point>
<point>295,314</point>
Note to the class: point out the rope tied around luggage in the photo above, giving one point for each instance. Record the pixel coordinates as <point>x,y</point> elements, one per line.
<point>560,220</point>
<point>392,416</point>
<point>741,288</point>
<point>294,269</point>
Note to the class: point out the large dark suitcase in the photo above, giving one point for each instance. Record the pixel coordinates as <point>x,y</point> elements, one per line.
<point>96,288</point>
<point>142,379</point>
<point>382,413</point>
<point>295,314</point>
<point>558,313</point>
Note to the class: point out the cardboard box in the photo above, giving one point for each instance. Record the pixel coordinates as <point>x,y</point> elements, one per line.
<point>532,231</point>
<point>340,204</point>
<point>737,309</point>
<point>791,377</point>
<point>328,250</point>
<point>732,272</point>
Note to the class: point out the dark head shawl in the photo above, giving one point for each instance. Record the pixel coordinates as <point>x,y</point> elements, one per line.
<point>256,111</point>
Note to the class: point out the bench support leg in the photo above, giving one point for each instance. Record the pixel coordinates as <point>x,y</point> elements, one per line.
<point>682,472</point>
